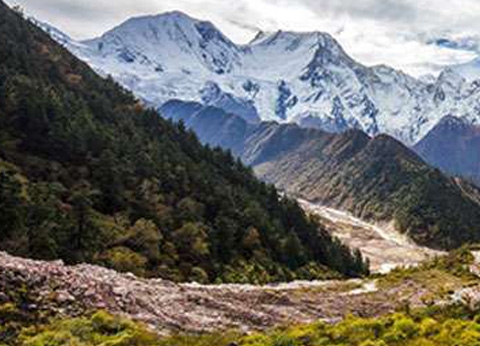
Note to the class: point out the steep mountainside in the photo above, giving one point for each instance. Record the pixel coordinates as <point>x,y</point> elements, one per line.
<point>305,78</point>
<point>453,146</point>
<point>87,174</point>
<point>375,178</point>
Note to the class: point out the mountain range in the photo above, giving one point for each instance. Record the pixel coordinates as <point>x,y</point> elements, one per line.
<point>376,178</point>
<point>305,78</point>
<point>243,98</point>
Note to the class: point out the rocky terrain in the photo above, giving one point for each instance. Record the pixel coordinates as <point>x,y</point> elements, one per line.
<point>168,307</point>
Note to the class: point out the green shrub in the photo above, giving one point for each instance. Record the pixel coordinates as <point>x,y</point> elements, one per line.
<point>446,327</point>
<point>101,329</point>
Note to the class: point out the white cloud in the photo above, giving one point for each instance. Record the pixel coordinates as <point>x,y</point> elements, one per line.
<point>392,32</point>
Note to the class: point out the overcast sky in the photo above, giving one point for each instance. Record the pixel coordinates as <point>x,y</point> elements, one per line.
<point>393,32</point>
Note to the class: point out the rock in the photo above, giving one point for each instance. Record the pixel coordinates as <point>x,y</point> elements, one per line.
<point>100,305</point>
<point>64,297</point>
<point>90,292</point>
<point>118,291</point>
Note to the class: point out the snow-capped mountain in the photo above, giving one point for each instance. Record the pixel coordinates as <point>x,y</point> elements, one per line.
<point>284,76</point>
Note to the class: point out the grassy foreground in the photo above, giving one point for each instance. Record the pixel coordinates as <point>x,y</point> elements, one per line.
<point>448,326</point>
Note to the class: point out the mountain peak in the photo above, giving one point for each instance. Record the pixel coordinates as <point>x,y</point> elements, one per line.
<point>172,16</point>
<point>171,41</point>
<point>279,36</point>
<point>449,82</point>
<point>450,77</point>
<point>176,24</point>
<point>449,72</point>
<point>453,145</point>
<point>259,36</point>
<point>176,14</point>
<point>299,47</point>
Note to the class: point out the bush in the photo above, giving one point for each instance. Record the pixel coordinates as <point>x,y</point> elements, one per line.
<point>101,329</point>
<point>124,260</point>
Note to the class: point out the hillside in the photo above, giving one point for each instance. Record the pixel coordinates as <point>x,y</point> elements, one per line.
<point>88,174</point>
<point>375,178</point>
<point>454,147</point>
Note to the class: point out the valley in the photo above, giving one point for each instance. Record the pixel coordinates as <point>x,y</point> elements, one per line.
<point>161,185</point>
<point>384,246</point>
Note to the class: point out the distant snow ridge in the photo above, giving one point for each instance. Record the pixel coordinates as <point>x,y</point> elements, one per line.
<point>283,76</point>
<point>59,36</point>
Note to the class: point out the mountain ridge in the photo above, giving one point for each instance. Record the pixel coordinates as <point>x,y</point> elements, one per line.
<point>376,178</point>
<point>453,145</point>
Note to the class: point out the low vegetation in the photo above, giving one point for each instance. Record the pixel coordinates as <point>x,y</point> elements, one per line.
<point>446,327</point>
<point>454,325</point>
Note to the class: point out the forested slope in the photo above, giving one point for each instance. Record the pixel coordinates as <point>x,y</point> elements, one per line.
<point>88,174</point>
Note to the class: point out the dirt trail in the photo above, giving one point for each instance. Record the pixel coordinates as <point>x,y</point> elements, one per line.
<point>382,244</point>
